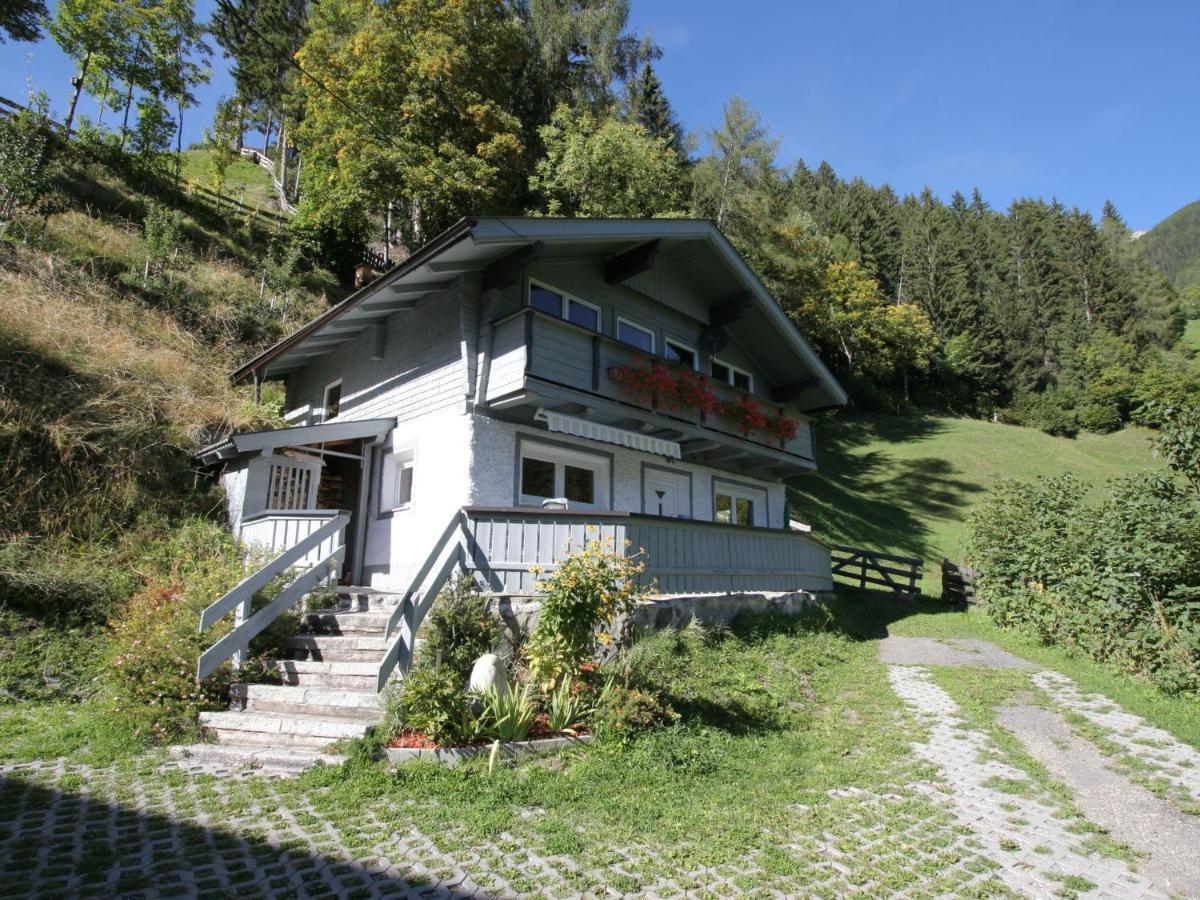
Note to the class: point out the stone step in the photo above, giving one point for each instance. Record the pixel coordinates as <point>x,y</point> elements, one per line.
<point>332,703</point>
<point>229,758</point>
<point>337,647</point>
<point>268,729</point>
<point>343,621</point>
<point>367,598</point>
<point>352,675</point>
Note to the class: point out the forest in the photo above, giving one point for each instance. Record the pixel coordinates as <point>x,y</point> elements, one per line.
<point>387,121</point>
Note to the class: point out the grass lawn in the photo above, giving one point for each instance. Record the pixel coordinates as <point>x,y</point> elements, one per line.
<point>244,181</point>
<point>1191,335</point>
<point>906,484</point>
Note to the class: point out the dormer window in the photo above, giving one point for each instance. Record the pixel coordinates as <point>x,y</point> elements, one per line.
<point>564,306</point>
<point>739,378</point>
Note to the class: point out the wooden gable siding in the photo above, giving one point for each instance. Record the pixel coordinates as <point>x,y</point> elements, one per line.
<point>421,370</point>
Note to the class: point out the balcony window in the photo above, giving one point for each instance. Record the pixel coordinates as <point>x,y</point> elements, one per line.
<point>635,335</point>
<point>332,401</point>
<point>550,472</point>
<point>556,303</point>
<point>681,354</point>
<point>739,378</point>
<point>736,504</point>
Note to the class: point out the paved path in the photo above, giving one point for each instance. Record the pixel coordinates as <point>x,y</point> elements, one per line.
<point>969,816</point>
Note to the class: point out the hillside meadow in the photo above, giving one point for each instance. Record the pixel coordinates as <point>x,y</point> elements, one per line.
<point>906,484</point>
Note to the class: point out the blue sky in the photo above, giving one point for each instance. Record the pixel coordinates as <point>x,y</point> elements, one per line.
<point>1079,100</point>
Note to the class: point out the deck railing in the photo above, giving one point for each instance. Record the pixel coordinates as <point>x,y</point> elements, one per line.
<point>313,558</point>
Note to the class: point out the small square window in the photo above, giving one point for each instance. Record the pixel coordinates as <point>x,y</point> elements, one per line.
<point>720,371</point>
<point>396,485</point>
<point>683,355</point>
<point>741,380</point>
<point>546,300</point>
<point>635,335</point>
<point>333,400</point>
<point>583,314</point>
<point>537,477</point>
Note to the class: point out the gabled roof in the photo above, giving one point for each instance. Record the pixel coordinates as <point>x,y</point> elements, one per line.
<point>301,435</point>
<point>698,248</point>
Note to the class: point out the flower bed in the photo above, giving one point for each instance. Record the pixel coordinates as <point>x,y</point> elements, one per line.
<point>452,756</point>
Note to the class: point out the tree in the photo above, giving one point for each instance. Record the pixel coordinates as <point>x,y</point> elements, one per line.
<point>650,108</point>
<point>21,20</point>
<point>407,106</point>
<point>733,182</point>
<point>88,30</point>
<point>604,168</point>
<point>25,171</point>
<point>219,140</point>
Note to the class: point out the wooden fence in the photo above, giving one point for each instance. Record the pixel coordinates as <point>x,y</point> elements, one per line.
<point>958,583</point>
<point>867,568</point>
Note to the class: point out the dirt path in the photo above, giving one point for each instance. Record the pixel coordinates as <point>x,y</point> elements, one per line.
<point>1075,821</point>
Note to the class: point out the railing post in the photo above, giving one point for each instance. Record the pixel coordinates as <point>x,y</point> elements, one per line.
<point>240,615</point>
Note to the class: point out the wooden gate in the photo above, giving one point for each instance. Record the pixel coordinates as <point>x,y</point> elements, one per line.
<point>899,574</point>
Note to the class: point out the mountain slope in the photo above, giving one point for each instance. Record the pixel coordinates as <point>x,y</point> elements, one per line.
<point>1173,246</point>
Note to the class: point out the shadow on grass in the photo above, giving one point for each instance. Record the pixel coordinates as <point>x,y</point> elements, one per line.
<point>872,499</point>
<point>56,842</point>
<point>866,615</point>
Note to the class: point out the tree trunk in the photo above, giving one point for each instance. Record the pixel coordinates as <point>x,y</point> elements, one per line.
<point>125,121</point>
<point>178,140</point>
<point>78,89</point>
<point>103,104</point>
<point>296,180</point>
<point>270,128</point>
<point>241,129</point>
<point>387,234</point>
<point>281,170</point>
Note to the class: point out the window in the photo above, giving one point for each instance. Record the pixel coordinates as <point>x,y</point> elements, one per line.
<point>739,378</point>
<point>739,505</point>
<point>681,354</point>
<point>635,335</point>
<point>396,481</point>
<point>548,473</point>
<point>332,402</point>
<point>555,302</point>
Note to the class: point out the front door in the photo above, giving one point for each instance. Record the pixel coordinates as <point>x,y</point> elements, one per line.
<point>666,494</point>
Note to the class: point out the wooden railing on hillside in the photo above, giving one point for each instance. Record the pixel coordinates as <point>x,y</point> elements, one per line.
<point>868,568</point>
<point>295,559</point>
<point>265,162</point>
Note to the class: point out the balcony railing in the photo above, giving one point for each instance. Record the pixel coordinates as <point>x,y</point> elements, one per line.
<point>533,345</point>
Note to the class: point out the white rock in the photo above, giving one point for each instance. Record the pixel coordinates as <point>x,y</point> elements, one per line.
<point>487,673</point>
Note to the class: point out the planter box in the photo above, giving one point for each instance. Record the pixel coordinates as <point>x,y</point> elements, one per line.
<point>452,756</point>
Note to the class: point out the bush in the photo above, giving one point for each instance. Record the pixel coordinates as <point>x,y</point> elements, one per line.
<point>508,715</point>
<point>459,629</point>
<point>624,712</point>
<point>588,591</point>
<point>433,703</point>
<point>1052,411</point>
<point>1121,582</point>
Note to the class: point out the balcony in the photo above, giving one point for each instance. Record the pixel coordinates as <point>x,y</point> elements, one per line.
<point>540,361</point>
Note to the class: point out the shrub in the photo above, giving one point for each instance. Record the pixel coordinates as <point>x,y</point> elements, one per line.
<point>624,711</point>
<point>1179,443</point>
<point>432,702</point>
<point>1052,411</point>
<point>459,629</point>
<point>579,600</point>
<point>568,706</point>
<point>26,174</point>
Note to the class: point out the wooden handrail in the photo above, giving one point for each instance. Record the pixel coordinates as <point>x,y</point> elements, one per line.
<point>240,597</point>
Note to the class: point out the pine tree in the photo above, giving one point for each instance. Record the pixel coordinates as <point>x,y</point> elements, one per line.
<point>21,20</point>
<point>650,108</point>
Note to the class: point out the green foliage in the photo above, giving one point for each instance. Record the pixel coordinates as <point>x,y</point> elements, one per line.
<point>26,170</point>
<point>624,712</point>
<point>1179,442</point>
<point>567,706</point>
<point>21,20</point>
<point>151,136</point>
<point>163,229</point>
<point>604,167</point>
<point>432,701</point>
<point>508,715</point>
<point>459,629</point>
<point>1121,582</point>
<point>1170,246</point>
<point>579,600</point>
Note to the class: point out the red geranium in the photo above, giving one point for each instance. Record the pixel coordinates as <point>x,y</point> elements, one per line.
<point>746,412</point>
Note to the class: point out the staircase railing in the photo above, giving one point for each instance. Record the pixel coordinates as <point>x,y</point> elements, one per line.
<point>309,575</point>
<point>449,554</point>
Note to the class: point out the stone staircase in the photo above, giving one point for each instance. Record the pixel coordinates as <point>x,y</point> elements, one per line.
<point>327,694</point>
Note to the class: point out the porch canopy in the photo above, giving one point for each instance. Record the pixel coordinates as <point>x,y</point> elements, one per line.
<point>250,442</point>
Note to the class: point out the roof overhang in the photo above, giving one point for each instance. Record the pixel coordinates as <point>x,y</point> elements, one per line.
<point>251,442</point>
<point>487,244</point>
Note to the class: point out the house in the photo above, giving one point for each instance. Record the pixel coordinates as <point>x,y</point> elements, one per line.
<point>513,383</point>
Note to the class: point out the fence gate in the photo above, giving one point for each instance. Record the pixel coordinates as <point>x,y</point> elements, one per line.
<point>899,574</point>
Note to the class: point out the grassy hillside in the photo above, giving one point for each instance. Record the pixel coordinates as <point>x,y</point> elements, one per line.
<point>244,181</point>
<point>1173,246</point>
<point>906,484</point>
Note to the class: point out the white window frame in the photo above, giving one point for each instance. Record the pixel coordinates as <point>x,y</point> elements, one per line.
<point>394,464</point>
<point>735,491</point>
<point>667,342</point>
<point>621,320</point>
<point>740,371</point>
<point>325,417</point>
<point>561,457</point>
<point>566,298</point>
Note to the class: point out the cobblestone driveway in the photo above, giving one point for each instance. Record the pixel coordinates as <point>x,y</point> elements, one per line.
<point>962,819</point>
